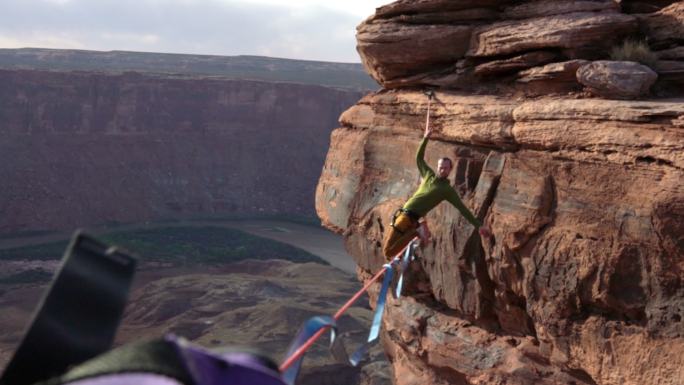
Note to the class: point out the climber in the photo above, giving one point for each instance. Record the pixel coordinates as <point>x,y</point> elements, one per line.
<point>434,188</point>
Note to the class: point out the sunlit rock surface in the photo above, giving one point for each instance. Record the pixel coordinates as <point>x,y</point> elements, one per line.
<point>582,281</point>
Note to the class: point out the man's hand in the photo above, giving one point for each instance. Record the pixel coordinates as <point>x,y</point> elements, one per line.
<point>485,232</point>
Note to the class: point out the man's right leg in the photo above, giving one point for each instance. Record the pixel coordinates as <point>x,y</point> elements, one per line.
<point>399,235</point>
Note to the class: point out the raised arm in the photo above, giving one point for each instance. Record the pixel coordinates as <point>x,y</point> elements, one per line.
<point>423,167</point>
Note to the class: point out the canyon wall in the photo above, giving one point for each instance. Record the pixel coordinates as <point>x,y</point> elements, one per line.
<point>85,148</point>
<point>582,281</point>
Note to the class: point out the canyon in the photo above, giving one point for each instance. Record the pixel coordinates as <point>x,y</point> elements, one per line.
<point>83,148</point>
<point>570,151</point>
<point>115,141</point>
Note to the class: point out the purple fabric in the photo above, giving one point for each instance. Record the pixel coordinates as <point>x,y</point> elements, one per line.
<point>208,368</point>
<point>204,366</point>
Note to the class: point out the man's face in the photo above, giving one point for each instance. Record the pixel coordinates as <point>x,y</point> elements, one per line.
<point>443,168</point>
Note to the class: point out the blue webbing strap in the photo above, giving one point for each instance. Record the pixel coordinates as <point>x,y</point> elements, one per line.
<point>408,257</point>
<point>311,327</point>
<point>337,347</point>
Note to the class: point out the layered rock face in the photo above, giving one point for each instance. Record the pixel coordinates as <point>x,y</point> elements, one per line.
<point>472,45</point>
<point>583,279</point>
<point>83,148</point>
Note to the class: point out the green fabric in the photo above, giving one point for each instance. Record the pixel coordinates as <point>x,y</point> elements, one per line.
<point>156,356</point>
<point>434,190</point>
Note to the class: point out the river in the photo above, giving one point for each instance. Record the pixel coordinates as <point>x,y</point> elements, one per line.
<point>315,240</point>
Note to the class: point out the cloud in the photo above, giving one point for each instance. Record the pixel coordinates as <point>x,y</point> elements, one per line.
<point>360,8</point>
<point>41,40</point>
<point>223,27</point>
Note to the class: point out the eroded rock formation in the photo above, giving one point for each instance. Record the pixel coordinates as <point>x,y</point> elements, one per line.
<point>583,280</point>
<point>471,45</point>
<point>84,148</point>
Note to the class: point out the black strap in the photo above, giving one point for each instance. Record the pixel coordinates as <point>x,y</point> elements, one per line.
<point>79,315</point>
<point>411,214</point>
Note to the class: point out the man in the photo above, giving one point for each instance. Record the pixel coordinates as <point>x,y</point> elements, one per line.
<point>434,188</point>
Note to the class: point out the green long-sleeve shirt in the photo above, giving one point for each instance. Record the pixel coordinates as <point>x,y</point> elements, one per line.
<point>434,190</point>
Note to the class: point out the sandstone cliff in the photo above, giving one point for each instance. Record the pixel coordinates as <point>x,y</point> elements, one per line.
<point>582,282</point>
<point>82,148</point>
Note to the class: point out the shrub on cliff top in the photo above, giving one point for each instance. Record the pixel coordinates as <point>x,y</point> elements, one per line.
<point>634,50</point>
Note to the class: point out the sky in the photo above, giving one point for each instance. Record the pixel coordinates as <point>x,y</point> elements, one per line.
<point>296,29</point>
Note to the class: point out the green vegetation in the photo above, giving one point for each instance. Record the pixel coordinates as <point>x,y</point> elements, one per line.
<point>20,234</point>
<point>634,50</point>
<point>300,220</point>
<point>26,276</point>
<point>179,245</point>
<point>41,252</point>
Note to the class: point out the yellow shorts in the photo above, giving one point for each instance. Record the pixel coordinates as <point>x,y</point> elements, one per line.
<point>399,235</point>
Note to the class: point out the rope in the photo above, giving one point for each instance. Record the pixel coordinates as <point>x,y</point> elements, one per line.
<point>305,346</point>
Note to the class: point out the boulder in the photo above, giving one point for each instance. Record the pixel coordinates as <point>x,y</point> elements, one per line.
<point>617,79</point>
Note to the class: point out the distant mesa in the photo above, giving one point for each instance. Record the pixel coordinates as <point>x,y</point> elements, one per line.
<point>342,75</point>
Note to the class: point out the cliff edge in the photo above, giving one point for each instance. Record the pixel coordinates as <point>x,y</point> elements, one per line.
<point>577,172</point>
